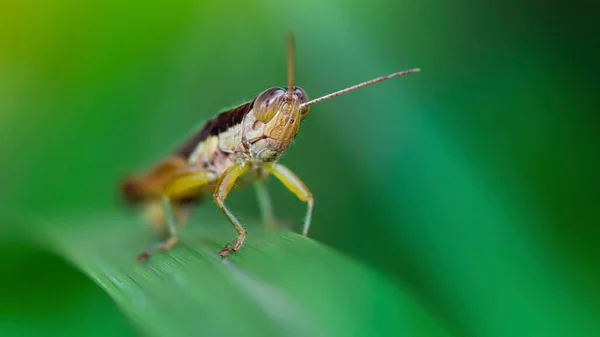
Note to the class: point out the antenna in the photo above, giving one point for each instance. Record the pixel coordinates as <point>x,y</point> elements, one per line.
<point>358,86</point>
<point>290,64</point>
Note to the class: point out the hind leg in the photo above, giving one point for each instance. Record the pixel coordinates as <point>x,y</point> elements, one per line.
<point>181,187</point>
<point>172,230</point>
<point>155,216</point>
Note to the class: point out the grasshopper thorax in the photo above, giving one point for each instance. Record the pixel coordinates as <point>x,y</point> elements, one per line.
<point>274,122</point>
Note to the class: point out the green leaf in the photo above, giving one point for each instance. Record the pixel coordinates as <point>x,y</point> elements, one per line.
<point>279,284</point>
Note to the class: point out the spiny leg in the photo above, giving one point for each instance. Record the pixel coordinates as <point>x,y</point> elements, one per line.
<point>296,186</point>
<point>184,185</point>
<point>223,187</point>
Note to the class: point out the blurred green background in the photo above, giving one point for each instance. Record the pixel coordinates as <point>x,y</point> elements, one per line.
<point>472,184</point>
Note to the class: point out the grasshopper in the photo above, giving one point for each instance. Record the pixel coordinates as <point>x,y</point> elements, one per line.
<point>238,146</point>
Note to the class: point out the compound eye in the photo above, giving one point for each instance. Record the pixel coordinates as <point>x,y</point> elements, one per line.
<point>303,98</point>
<point>267,104</point>
<point>301,94</point>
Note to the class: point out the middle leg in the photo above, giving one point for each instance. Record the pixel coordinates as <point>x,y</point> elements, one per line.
<point>265,204</point>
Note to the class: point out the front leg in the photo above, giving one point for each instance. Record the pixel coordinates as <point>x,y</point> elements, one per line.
<point>296,186</point>
<point>224,185</point>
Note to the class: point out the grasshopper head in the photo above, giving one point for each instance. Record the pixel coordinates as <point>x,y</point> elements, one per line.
<point>280,115</point>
